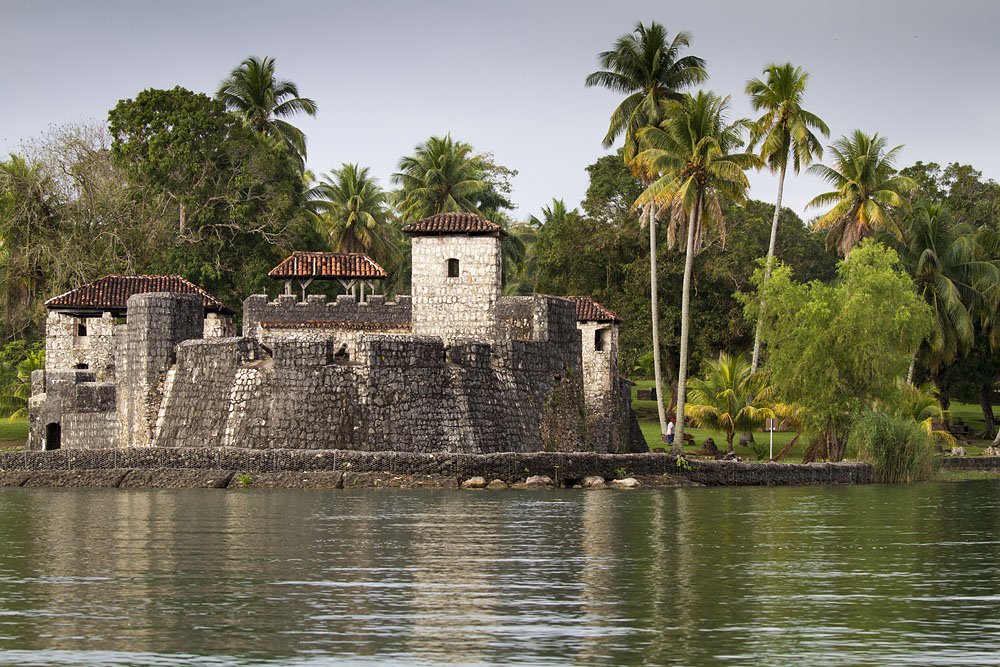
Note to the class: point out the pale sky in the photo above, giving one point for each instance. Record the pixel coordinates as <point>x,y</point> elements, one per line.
<point>507,77</point>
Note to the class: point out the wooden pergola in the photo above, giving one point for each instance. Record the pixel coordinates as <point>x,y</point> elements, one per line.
<point>354,271</point>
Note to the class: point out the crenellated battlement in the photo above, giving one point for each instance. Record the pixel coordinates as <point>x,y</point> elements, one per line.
<point>317,308</point>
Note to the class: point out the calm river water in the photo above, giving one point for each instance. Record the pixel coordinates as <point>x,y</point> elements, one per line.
<point>776,576</point>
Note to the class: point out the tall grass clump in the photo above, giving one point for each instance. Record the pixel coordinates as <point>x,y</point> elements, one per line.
<point>897,447</point>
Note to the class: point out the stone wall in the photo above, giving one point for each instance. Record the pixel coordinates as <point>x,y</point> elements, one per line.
<point>403,393</point>
<point>206,387</point>
<point>156,323</point>
<point>73,412</point>
<point>287,308</point>
<point>66,349</point>
<point>977,463</point>
<point>562,468</point>
<point>463,306</point>
<point>344,335</point>
<point>218,326</point>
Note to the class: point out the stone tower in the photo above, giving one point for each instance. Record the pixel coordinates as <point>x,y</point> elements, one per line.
<point>156,323</point>
<point>607,425</point>
<point>456,276</point>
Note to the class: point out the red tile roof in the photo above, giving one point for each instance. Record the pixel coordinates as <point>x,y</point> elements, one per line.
<point>111,293</point>
<point>350,325</point>
<point>325,265</point>
<point>588,310</point>
<point>454,223</point>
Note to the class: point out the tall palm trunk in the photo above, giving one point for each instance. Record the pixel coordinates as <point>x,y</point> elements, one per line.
<point>678,446</point>
<point>655,306</point>
<point>767,270</point>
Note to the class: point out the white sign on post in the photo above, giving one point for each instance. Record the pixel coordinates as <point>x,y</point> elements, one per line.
<point>770,425</point>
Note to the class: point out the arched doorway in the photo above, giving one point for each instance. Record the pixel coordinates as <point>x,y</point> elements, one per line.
<point>53,436</point>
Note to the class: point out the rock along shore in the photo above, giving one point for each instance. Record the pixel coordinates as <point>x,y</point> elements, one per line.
<point>296,468</point>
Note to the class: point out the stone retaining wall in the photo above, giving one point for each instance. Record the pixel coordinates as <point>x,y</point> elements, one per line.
<point>985,463</point>
<point>21,468</point>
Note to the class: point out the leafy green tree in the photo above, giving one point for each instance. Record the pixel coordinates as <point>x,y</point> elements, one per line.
<point>650,72</point>
<point>695,151</point>
<point>784,131</point>
<point>354,214</point>
<point>731,397</point>
<point>253,92</point>
<point>237,199</point>
<point>867,193</point>
<point>836,349</point>
<point>970,198</point>
<point>29,221</point>
<point>526,279</point>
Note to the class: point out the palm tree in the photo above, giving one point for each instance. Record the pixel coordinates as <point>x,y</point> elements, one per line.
<point>785,130</point>
<point>953,274</point>
<point>15,402</point>
<point>252,92</point>
<point>922,406</point>
<point>651,72</point>
<point>868,189</point>
<point>446,176</point>
<point>354,213</point>
<point>442,176</point>
<point>731,398</point>
<point>694,150</point>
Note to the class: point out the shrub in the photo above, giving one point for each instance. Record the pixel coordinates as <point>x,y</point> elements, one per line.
<point>898,449</point>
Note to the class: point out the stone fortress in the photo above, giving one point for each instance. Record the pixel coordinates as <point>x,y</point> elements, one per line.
<point>153,361</point>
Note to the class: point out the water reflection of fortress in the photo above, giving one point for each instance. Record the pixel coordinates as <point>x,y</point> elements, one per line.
<point>139,361</point>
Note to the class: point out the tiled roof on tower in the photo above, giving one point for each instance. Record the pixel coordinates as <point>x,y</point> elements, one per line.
<point>111,293</point>
<point>588,310</point>
<point>454,223</point>
<point>328,265</point>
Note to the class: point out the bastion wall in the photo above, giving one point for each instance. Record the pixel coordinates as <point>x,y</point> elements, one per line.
<point>395,393</point>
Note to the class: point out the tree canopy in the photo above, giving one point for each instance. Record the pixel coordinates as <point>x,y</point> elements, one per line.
<point>837,348</point>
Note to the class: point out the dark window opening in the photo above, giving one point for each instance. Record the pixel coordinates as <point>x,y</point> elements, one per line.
<point>53,436</point>
<point>81,328</point>
<point>81,367</point>
<point>453,268</point>
<point>600,339</point>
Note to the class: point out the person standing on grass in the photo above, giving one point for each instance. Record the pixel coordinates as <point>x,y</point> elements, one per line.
<point>670,432</point>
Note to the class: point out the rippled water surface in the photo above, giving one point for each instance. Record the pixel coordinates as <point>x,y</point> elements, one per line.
<point>781,576</point>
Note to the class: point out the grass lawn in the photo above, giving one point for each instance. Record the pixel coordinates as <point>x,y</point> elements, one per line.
<point>972,415</point>
<point>13,434</point>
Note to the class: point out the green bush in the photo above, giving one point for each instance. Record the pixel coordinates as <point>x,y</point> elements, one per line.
<point>898,449</point>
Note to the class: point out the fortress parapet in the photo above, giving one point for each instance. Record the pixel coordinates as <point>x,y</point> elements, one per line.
<point>317,308</point>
